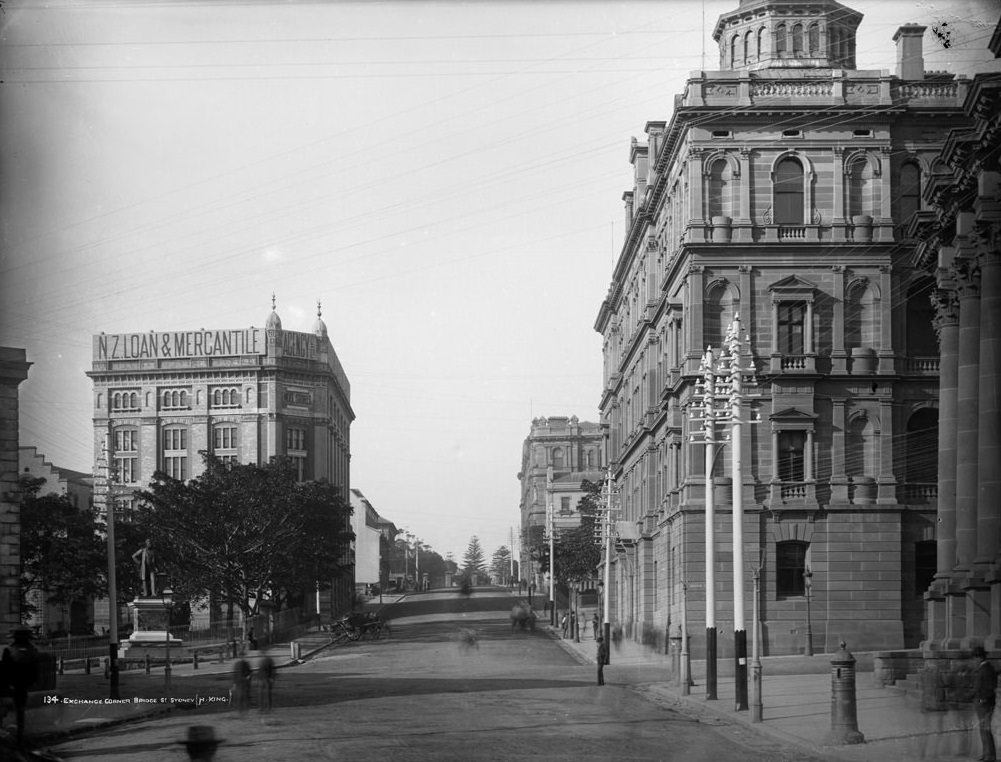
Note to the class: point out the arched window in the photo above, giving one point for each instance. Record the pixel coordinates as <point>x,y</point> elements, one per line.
<point>860,187</point>
<point>789,192</point>
<point>834,44</point>
<point>719,190</point>
<point>790,568</point>
<point>718,310</point>
<point>761,43</point>
<point>860,318</point>
<point>909,194</point>
<point>748,40</point>
<point>814,40</point>
<point>780,41</point>
<point>797,40</point>
<point>557,457</point>
<point>733,50</point>
<point>860,442</point>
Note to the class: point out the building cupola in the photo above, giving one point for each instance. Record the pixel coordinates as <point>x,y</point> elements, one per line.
<point>274,322</point>
<point>320,328</point>
<point>787,34</point>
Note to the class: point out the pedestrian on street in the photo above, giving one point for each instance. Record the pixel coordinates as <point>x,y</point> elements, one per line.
<point>265,674</point>
<point>984,689</point>
<point>594,625</point>
<point>602,659</point>
<point>201,742</point>
<point>566,624</point>
<point>240,692</point>
<point>19,670</point>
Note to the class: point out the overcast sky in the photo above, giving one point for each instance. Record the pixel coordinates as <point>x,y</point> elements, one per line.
<point>445,177</point>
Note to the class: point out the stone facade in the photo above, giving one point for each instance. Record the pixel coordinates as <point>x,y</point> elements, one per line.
<point>245,395</point>
<point>558,454</point>
<point>960,246</point>
<point>779,192</point>
<point>13,370</point>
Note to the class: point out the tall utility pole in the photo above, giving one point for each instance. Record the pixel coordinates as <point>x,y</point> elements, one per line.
<point>103,485</point>
<point>606,626</point>
<point>551,531</point>
<point>737,371</point>
<point>707,410</point>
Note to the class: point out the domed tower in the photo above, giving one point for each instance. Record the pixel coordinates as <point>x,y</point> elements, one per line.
<point>274,322</point>
<point>319,328</point>
<point>777,34</point>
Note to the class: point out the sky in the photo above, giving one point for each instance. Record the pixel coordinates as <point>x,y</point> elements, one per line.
<point>445,177</point>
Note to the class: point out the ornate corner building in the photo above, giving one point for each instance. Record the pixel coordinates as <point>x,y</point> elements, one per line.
<point>244,395</point>
<point>779,190</point>
<point>558,454</point>
<point>960,246</point>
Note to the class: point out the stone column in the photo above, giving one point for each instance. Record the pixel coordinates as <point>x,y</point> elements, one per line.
<point>838,179</point>
<point>967,434</point>
<point>946,303</point>
<point>743,225</point>
<point>989,430</point>
<point>886,352</point>
<point>886,490</point>
<point>839,357</point>
<point>839,479</point>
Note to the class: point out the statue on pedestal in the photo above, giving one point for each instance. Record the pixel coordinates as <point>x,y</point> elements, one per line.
<point>145,559</point>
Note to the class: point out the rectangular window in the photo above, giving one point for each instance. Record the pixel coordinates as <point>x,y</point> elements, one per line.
<point>225,437</point>
<point>295,439</point>
<point>790,566</point>
<point>565,505</point>
<point>791,327</point>
<point>791,456</point>
<point>175,439</point>
<point>176,466</point>
<point>125,440</point>
<point>126,470</point>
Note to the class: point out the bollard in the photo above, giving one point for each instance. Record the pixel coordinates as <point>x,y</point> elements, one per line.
<point>146,658</point>
<point>844,708</point>
<point>107,668</point>
<point>62,665</point>
<point>221,655</point>
<point>86,665</point>
<point>194,659</point>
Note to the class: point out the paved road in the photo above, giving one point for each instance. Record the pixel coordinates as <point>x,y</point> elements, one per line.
<point>423,695</point>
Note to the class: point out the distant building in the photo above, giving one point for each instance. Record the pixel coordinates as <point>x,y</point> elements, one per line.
<point>373,535</point>
<point>76,617</point>
<point>557,456</point>
<point>780,190</point>
<point>246,395</point>
<point>13,370</point>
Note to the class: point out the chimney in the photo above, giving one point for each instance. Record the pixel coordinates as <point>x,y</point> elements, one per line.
<point>910,57</point>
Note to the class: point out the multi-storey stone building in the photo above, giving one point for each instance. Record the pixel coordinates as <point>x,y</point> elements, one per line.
<point>778,191</point>
<point>557,456</point>
<point>960,245</point>
<point>246,395</point>
<point>13,370</point>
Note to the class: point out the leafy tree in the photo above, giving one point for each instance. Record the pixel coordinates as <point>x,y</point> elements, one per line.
<point>577,551</point>
<point>62,556</point>
<point>243,533</point>
<point>473,562</point>
<point>500,564</point>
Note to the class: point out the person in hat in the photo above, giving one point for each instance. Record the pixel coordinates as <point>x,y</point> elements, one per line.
<point>602,659</point>
<point>19,667</point>
<point>201,742</point>
<point>984,689</point>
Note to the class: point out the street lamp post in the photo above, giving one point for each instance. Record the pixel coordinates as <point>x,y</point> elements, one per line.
<point>103,480</point>
<point>808,592</point>
<point>755,650</point>
<point>606,626</point>
<point>168,604</point>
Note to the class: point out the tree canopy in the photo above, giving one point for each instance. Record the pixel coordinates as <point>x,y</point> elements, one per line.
<point>577,551</point>
<point>473,562</point>
<point>245,533</point>
<point>63,559</point>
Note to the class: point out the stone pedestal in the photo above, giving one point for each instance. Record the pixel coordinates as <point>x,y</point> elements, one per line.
<point>150,628</point>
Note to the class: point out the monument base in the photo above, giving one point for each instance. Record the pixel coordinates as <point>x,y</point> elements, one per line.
<point>150,629</point>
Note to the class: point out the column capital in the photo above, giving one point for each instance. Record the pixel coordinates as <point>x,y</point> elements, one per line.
<point>945,301</point>
<point>967,275</point>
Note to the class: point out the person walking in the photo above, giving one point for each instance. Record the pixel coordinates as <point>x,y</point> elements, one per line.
<point>984,689</point>
<point>594,625</point>
<point>566,625</point>
<point>602,656</point>
<point>264,672</point>
<point>19,667</point>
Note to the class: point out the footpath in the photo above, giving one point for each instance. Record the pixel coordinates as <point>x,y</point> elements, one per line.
<point>797,705</point>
